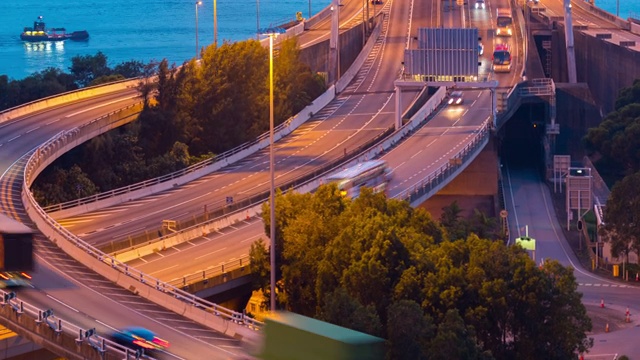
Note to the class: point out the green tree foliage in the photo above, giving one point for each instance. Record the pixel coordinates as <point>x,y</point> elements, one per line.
<point>62,185</point>
<point>45,83</point>
<point>86,68</point>
<point>617,138</point>
<point>130,69</point>
<point>628,96</point>
<point>86,71</point>
<point>622,214</point>
<point>356,262</point>
<point>410,331</point>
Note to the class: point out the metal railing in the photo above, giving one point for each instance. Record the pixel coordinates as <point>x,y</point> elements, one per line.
<point>104,347</point>
<point>215,214</point>
<point>431,182</point>
<point>164,178</point>
<point>222,269</point>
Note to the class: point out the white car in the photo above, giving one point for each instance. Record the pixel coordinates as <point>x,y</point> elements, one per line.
<point>455,98</point>
<point>480,4</point>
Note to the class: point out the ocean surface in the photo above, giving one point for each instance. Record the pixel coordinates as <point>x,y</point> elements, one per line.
<point>150,29</point>
<point>132,30</point>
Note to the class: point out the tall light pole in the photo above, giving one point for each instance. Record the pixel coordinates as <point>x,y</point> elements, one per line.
<point>272,33</point>
<point>198,3</point>
<point>272,176</point>
<point>215,23</point>
<point>309,9</point>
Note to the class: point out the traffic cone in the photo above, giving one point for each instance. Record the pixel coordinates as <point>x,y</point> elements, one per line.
<point>602,303</point>
<point>606,328</point>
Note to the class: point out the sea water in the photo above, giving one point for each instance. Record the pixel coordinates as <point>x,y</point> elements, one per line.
<point>148,30</point>
<point>126,30</point>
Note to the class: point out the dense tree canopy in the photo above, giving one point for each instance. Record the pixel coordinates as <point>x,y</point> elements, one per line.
<point>622,216</point>
<point>85,70</point>
<point>382,267</point>
<point>617,138</point>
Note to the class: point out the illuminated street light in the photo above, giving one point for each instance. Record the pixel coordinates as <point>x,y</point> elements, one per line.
<point>198,3</point>
<point>272,33</point>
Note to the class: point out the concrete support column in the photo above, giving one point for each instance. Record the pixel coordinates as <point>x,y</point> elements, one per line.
<point>568,33</point>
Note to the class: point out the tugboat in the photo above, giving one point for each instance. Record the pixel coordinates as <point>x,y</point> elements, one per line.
<point>39,33</point>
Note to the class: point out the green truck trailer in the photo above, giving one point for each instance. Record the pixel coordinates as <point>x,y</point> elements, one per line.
<point>289,336</point>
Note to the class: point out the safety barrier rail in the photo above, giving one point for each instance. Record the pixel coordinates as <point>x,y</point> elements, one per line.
<point>431,182</point>
<point>62,332</point>
<point>221,159</point>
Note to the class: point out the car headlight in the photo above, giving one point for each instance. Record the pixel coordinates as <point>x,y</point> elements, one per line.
<point>476,5</point>
<point>458,101</point>
<point>483,5</point>
<point>450,101</point>
<point>509,31</point>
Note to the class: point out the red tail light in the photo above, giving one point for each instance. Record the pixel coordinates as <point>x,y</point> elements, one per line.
<point>161,342</point>
<point>143,344</point>
<point>26,275</point>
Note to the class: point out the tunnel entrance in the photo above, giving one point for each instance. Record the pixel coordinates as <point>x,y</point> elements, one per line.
<point>522,138</point>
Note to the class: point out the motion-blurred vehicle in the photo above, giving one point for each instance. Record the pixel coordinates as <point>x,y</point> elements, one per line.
<point>139,338</point>
<point>480,4</point>
<point>455,98</point>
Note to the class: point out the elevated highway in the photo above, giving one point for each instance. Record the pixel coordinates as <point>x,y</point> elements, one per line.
<point>351,111</point>
<point>75,302</point>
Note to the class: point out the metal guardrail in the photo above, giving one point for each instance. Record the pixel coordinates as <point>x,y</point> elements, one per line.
<point>164,178</point>
<point>105,348</point>
<point>204,275</point>
<point>39,158</point>
<point>196,220</point>
<point>440,175</point>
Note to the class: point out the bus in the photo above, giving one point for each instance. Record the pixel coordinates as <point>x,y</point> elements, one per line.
<point>374,174</point>
<point>501,59</point>
<point>504,26</point>
<point>16,253</point>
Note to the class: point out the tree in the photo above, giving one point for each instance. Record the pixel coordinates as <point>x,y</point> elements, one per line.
<point>86,68</point>
<point>409,331</point>
<point>343,310</point>
<point>622,214</point>
<point>629,95</point>
<point>454,340</point>
<point>617,138</point>
<point>353,261</point>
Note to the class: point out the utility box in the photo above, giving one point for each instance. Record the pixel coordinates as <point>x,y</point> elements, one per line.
<point>290,336</point>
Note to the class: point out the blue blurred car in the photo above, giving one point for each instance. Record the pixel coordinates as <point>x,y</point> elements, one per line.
<point>139,338</point>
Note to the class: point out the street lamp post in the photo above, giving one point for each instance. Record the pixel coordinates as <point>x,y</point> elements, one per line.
<point>198,3</point>
<point>272,176</point>
<point>215,23</point>
<point>272,33</point>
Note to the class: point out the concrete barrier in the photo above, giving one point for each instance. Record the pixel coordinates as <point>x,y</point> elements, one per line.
<point>60,99</point>
<point>351,73</point>
<point>205,228</point>
<point>308,24</point>
<point>124,195</point>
